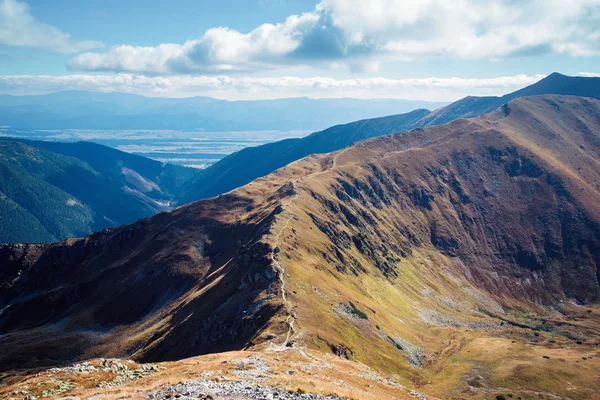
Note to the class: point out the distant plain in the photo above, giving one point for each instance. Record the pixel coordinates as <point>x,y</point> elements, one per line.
<point>196,149</point>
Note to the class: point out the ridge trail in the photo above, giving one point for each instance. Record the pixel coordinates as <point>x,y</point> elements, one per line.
<point>291,319</point>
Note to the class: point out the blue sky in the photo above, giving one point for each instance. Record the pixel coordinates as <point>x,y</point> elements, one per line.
<point>429,49</point>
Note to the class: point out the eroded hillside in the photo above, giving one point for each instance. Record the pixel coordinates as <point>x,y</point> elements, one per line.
<point>462,259</point>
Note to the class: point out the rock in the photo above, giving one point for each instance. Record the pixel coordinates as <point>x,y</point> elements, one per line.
<point>206,390</point>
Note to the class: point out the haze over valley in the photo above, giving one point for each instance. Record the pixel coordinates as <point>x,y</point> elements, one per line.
<point>193,132</point>
<point>194,149</point>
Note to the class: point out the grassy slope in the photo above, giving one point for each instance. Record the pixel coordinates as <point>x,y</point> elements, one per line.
<point>477,318</point>
<point>248,164</point>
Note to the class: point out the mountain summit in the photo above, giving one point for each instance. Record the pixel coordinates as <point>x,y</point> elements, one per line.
<point>554,83</point>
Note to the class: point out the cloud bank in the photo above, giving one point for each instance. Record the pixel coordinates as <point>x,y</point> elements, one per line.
<point>19,28</point>
<point>359,34</point>
<point>435,89</point>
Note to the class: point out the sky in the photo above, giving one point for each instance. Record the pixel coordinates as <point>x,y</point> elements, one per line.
<point>437,50</point>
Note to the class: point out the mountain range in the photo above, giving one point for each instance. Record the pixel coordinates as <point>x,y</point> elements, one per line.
<point>91,187</point>
<point>121,111</point>
<point>50,191</point>
<point>248,164</point>
<point>462,258</point>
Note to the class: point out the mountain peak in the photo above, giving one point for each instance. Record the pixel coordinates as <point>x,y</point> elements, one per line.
<point>555,83</point>
<point>555,75</point>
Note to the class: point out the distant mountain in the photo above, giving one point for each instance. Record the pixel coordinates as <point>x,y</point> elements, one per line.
<point>462,258</point>
<point>52,191</point>
<point>555,83</point>
<point>91,110</point>
<point>250,163</point>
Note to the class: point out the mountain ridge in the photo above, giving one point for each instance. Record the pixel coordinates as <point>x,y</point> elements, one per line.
<point>226,174</point>
<point>228,170</point>
<point>555,83</point>
<point>413,253</point>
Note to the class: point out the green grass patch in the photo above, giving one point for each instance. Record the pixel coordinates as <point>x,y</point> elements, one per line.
<point>357,312</point>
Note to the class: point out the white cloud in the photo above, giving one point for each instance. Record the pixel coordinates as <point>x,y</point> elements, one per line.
<point>19,28</point>
<point>434,89</point>
<point>589,74</point>
<point>470,28</point>
<point>361,34</point>
<point>219,49</point>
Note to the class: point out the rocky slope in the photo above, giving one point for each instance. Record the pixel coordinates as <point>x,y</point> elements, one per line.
<point>457,258</point>
<point>236,375</point>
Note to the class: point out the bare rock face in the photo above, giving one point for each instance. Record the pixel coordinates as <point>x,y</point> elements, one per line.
<point>15,259</point>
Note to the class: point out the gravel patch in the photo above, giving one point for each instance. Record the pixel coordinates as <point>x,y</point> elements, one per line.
<point>253,367</point>
<point>126,371</point>
<point>60,388</point>
<point>436,318</point>
<point>418,395</point>
<point>411,352</point>
<point>374,376</point>
<point>206,390</point>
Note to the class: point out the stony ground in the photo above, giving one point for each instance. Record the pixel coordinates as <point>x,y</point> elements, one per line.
<point>206,389</point>
<point>292,374</point>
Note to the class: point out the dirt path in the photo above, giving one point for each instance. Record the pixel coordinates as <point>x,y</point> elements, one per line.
<point>291,319</point>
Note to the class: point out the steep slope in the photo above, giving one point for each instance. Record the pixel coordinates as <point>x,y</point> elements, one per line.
<point>107,160</point>
<point>194,280</point>
<point>51,191</point>
<point>250,163</point>
<point>474,106</point>
<point>457,258</point>
<point>93,110</point>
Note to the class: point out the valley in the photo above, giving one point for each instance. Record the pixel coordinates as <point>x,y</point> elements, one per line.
<point>50,191</point>
<point>197,163</point>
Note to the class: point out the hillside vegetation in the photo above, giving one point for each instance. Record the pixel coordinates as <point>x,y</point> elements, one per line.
<point>52,191</point>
